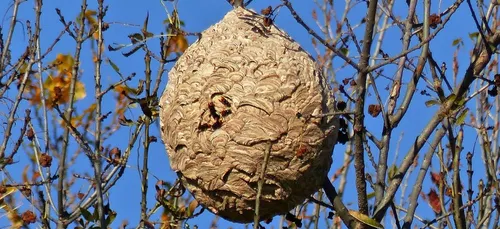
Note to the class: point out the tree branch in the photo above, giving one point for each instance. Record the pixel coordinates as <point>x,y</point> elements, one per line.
<point>338,206</point>
<point>320,39</point>
<point>359,117</point>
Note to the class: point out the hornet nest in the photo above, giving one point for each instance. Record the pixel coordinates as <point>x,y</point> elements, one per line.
<point>241,88</point>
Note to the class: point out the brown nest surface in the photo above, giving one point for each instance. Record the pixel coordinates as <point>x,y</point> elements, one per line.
<point>242,87</point>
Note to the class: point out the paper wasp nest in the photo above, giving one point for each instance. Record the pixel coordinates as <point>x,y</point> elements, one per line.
<point>239,87</point>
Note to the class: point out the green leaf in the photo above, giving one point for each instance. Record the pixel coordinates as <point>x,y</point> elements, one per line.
<point>370,195</point>
<point>96,214</point>
<point>145,25</point>
<point>110,218</point>
<point>457,41</point>
<point>461,117</point>
<point>148,34</point>
<point>393,170</point>
<point>87,215</point>
<point>114,66</point>
<point>460,102</point>
<point>473,36</point>
<point>136,37</point>
<point>344,51</point>
<point>124,121</point>
<point>451,97</point>
<point>144,29</point>
<point>432,102</point>
<point>173,23</point>
<point>366,219</point>
<point>492,47</point>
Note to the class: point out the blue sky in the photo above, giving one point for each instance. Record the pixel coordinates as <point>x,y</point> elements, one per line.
<point>198,15</point>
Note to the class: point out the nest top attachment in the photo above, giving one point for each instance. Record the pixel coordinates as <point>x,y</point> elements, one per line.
<point>241,87</point>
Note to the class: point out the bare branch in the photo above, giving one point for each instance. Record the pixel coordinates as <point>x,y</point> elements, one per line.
<point>6,46</point>
<point>359,116</point>
<point>315,35</point>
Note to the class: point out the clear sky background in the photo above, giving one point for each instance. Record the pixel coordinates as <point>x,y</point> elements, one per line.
<point>198,15</point>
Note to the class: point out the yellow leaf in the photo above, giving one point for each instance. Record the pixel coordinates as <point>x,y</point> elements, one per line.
<point>64,63</point>
<point>63,83</point>
<point>35,95</point>
<point>89,17</point>
<point>23,68</point>
<point>25,174</point>
<point>89,13</point>
<point>9,191</point>
<point>80,92</point>
<point>15,219</point>
<point>182,43</point>
<point>9,207</point>
<point>462,116</point>
<point>75,121</point>
<point>123,88</point>
<point>366,219</point>
<point>192,206</point>
<point>90,109</point>
<point>177,43</point>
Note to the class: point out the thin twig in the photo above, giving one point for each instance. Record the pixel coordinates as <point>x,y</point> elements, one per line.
<point>112,177</point>
<point>248,3</point>
<point>37,153</point>
<point>339,207</point>
<point>416,216</point>
<point>417,186</point>
<point>260,185</point>
<point>69,114</point>
<point>145,159</point>
<point>451,10</point>
<point>9,160</point>
<point>10,121</point>
<point>453,212</point>
<point>12,26</point>
<point>395,213</point>
<point>315,35</point>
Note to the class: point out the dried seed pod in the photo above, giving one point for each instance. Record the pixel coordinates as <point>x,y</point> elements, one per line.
<point>30,134</point>
<point>434,20</point>
<point>28,217</point>
<point>268,21</point>
<point>271,85</point>
<point>374,109</point>
<point>114,156</point>
<point>267,11</point>
<point>45,160</point>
